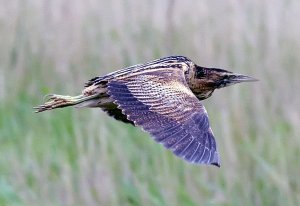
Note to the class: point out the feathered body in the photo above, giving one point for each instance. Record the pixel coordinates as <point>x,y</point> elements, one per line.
<point>163,97</point>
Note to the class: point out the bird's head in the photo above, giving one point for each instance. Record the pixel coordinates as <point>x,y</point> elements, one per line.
<point>209,79</point>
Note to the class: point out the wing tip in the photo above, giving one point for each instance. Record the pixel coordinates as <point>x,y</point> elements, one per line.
<point>216,164</point>
<point>215,160</point>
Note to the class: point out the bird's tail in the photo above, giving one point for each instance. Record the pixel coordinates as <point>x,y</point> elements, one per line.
<point>54,101</point>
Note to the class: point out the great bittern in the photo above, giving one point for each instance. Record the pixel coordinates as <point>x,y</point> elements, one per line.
<point>163,97</point>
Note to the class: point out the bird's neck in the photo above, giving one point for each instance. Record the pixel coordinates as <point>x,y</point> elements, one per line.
<point>203,94</point>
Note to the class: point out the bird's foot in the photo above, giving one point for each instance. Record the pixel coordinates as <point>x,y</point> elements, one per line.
<point>53,101</point>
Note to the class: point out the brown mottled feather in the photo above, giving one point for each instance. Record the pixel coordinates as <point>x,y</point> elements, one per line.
<point>163,105</point>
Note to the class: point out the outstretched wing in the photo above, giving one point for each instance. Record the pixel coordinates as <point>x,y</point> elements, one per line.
<point>160,102</point>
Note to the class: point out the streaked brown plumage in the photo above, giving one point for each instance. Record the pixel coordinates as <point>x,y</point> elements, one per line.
<point>163,97</point>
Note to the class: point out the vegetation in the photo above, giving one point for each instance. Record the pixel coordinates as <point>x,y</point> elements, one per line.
<point>84,157</point>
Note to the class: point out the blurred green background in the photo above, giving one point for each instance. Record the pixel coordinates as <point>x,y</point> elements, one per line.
<point>83,157</point>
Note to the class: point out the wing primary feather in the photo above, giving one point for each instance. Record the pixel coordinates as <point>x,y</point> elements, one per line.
<point>191,158</point>
<point>169,136</point>
<point>183,152</point>
<point>190,150</point>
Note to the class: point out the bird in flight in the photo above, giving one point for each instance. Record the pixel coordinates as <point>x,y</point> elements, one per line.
<point>163,97</point>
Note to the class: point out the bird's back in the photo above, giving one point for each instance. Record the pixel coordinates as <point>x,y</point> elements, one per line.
<point>166,62</point>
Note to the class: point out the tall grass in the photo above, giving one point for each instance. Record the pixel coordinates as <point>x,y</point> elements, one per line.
<point>83,157</point>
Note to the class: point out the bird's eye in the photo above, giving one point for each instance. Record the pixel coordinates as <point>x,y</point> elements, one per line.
<point>225,77</point>
<point>200,73</point>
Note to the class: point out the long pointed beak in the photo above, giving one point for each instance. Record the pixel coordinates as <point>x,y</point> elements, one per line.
<point>237,78</point>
